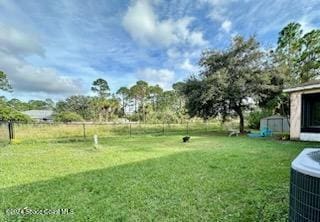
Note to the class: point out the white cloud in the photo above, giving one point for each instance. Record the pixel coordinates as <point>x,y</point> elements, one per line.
<point>144,26</point>
<point>16,42</point>
<point>164,77</point>
<point>196,39</point>
<point>28,78</point>
<point>183,60</point>
<point>219,13</point>
<point>25,77</point>
<point>306,24</point>
<point>187,66</point>
<point>265,17</point>
<point>226,25</point>
<point>173,53</point>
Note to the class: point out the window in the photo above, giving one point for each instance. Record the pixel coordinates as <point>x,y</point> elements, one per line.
<point>310,113</point>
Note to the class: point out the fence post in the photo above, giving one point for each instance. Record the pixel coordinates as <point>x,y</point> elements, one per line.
<point>10,129</point>
<point>187,127</point>
<point>84,130</point>
<point>130,129</point>
<point>163,128</point>
<point>206,125</point>
<point>13,134</point>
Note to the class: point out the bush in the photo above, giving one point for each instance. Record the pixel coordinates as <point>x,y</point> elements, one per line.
<point>134,117</point>
<point>10,114</point>
<point>255,116</point>
<point>67,117</point>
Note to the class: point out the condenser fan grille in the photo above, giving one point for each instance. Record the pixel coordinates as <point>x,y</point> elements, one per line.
<point>315,155</point>
<point>305,187</point>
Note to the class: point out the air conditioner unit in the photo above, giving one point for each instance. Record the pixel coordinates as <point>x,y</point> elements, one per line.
<point>305,187</point>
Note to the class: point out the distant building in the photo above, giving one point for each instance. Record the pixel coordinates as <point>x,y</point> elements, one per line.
<point>305,111</point>
<point>40,115</point>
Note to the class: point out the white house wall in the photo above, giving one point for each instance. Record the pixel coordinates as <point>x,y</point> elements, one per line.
<point>310,136</point>
<point>295,115</point>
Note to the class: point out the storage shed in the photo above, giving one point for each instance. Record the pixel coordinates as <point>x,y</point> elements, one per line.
<point>276,123</point>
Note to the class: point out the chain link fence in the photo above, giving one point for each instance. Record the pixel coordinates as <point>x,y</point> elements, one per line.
<point>84,131</point>
<point>4,134</point>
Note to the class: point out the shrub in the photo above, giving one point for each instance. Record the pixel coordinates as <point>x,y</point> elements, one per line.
<point>255,116</point>
<point>67,117</point>
<point>10,114</point>
<point>134,117</point>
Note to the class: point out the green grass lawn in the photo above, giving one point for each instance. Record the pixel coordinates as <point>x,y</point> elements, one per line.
<point>212,178</point>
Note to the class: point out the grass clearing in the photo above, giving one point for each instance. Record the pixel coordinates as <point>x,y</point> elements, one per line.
<point>52,132</point>
<point>150,178</point>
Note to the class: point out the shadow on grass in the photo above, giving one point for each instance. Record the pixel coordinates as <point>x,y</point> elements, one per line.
<point>189,186</point>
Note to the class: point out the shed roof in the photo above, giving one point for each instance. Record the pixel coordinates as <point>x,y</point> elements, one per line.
<point>275,117</point>
<point>314,84</point>
<point>39,114</point>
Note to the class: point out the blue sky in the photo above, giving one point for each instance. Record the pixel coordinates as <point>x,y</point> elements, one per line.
<point>57,48</point>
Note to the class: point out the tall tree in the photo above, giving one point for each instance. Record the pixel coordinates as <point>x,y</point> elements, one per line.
<point>155,93</point>
<point>124,93</point>
<point>298,55</point>
<point>229,81</point>
<point>134,96</point>
<point>101,103</point>
<point>101,87</point>
<point>310,56</point>
<point>77,104</point>
<point>4,83</point>
<point>178,91</point>
<point>141,90</point>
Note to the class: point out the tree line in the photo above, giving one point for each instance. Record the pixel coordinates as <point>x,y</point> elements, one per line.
<point>141,102</point>
<point>244,80</point>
